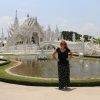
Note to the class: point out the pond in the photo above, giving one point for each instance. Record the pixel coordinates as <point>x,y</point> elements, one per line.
<point>81,68</point>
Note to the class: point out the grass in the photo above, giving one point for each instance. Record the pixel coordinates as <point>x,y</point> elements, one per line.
<point>4,76</point>
<point>36,81</point>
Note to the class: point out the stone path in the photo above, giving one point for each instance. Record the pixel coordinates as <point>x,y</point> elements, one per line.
<point>18,92</point>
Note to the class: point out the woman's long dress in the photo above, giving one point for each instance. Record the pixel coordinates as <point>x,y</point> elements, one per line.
<point>63,68</point>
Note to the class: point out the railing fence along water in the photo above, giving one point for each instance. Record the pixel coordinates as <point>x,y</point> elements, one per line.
<point>77,47</point>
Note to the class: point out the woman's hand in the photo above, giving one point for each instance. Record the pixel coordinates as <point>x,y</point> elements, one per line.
<point>54,56</point>
<point>71,55</point>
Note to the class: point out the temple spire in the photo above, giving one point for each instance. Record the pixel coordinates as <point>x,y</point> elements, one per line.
<point>49,28</point>
<point>16,23</point>
<point>57,33</point>
<point>16,13</point>
<point>2,32</point>
<point>57,28</point>
<point>36,19</point>
<point>2,35</point>
<point>49,33</point>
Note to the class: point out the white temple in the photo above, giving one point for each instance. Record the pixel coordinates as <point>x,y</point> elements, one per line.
<point>30,32</point>
<point>30,37</point>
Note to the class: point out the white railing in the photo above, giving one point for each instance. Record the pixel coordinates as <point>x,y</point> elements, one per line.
<point>75,47</point>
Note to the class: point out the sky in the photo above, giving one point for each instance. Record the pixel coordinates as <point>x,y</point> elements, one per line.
<point>82,16</point>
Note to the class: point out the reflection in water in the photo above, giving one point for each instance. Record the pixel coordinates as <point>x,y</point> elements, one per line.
<point>80,68</point>
<point>87,68</point>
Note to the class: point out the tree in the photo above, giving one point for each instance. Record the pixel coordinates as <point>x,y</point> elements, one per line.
<point>68,35</point>
<point>87,38</point>
<point>98,41</point>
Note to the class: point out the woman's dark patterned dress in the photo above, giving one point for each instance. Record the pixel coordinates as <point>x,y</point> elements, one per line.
<point>63,68</point>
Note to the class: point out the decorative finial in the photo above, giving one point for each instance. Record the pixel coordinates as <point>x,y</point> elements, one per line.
<point>2,30</point>
<point>36,19</point>
<point>49,28</point>
<point>57,29</point>
<point>16,24</point>
<point>28,16</point>
<point>2,34</point>
<point>16,13</point>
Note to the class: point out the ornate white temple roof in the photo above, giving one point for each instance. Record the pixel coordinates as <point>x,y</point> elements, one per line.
<point>31,28</point>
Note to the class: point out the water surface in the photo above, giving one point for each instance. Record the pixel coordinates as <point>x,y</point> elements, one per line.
<point>80,68</point>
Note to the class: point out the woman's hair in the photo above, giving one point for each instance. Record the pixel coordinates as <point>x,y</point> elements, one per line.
<point>64,43</point>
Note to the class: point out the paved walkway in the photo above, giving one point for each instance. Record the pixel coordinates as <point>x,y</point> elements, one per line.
<point>18,92</point>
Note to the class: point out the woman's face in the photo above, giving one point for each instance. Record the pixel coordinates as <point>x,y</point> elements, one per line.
<point>63,45</point>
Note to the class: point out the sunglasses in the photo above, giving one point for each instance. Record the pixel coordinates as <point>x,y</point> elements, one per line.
<point>63,44</point>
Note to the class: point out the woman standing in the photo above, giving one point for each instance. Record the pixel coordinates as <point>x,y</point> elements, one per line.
<point>63,65</point>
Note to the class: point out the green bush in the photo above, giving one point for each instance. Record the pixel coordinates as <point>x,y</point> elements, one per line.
<point>98,41</point>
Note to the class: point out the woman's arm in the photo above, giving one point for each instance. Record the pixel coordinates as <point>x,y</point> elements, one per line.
<point>71,55</point>
<point>54,55</point>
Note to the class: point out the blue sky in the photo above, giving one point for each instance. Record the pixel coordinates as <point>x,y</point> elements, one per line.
<point>82,16</point>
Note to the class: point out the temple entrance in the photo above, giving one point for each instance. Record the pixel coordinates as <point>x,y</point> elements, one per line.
<point>35,38</point>
<point>19,39</point>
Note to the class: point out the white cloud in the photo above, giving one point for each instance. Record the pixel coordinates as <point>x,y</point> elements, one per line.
<point>5,22</point>
<point>23,10</point>
<point>63,24</point>
<point>87,28</point>
<point>90,28</point>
